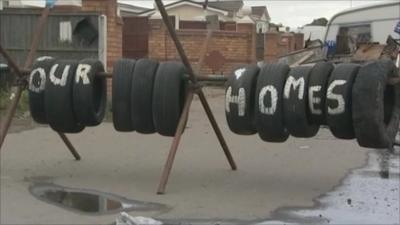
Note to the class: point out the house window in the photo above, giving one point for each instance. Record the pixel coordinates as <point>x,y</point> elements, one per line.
<point>65,31</point>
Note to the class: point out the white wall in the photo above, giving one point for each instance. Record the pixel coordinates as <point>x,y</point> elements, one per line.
<point>187,12</point>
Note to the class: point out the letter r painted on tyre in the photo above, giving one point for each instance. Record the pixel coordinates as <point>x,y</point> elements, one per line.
<point>82,73</point>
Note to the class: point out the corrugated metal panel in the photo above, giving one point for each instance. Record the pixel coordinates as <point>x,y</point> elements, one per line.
<point>17,27</point>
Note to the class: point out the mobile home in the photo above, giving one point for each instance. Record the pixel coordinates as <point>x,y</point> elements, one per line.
<point>373,23</point>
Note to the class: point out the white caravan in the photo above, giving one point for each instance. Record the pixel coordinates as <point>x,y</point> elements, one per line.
<point>372,23</point>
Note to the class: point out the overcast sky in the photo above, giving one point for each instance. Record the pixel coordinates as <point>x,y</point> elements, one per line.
<point>293,13</point>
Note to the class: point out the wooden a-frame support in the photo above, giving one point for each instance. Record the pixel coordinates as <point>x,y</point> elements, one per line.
<point>194,88</point>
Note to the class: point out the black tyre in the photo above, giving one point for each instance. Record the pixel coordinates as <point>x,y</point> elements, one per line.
<point>240,100</point>
<point>339,101</point>
<point>59,99</point>
<point>121,94</point>
<point>168,97</point>
<point>89,92</point>
<point>142,95</point>
<point>269,103</point>
<point>376,105</point>
<point>317,86</point>
<point>36,89</point>
<point>295,103</point>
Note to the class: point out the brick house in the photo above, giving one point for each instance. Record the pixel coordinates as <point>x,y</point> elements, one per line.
<point>238,37</point>
<point>241,35</point>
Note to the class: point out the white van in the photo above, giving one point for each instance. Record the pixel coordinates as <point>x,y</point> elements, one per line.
<point>372,23</point>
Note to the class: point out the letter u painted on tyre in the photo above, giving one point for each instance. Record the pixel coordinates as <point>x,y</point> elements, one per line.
<point>240,100</point>
<point>339,100</point>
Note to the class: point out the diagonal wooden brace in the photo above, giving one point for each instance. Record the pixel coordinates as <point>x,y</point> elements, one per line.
<point>197,89</point>
<point>6,121</point>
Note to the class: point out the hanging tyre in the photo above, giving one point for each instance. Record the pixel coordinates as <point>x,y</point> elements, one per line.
<point>376,105</point>
<point>59,99</point>
<point>142,95</point>
<point>89,92</point>
<point>295,103</point>
<point>121,94</point>
<point>269,119</point>
<point>240,100</point>
<point>168,97</point>
<point>36,89</point>
<point>317,87</point>
<point>339,100</point>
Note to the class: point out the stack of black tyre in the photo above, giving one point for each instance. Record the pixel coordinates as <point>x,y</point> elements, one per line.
<point>354,101</point>
<point>66,94</point>
<point>148,96</point>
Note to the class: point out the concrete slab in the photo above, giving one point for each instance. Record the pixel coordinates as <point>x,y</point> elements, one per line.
<point>201,186</point>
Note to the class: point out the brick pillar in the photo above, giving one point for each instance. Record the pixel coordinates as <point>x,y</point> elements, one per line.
<point>249,27</point>
<point>157,40</point>
<point>299,41</point>
<point>271,49</point>
<point>114,28</point>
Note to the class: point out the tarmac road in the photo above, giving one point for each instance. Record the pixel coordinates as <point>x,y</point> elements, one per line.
<point>201,186</point>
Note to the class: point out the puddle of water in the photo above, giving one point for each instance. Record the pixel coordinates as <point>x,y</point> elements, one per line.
<point>89,201</point>
<point>364,197</point>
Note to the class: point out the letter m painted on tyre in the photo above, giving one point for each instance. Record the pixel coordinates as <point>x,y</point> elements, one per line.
<point>296,84</point>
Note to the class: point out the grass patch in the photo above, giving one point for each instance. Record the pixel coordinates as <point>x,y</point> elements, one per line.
<point>6,96</point>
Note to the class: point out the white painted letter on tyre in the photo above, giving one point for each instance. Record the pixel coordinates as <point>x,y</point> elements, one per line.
<point>296,84</point>
<point>82,73</point>
<point>239,73</point>
<point>42,75</point>
<point>312,100</point>
<point>59,81</point>
<point>339,98</point>
<point>240,100</point>
<point>274,100</point>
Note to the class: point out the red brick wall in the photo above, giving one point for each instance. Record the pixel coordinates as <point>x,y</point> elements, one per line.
<point>277,44</point>
<point>235,47</point>
<point>114,26</point>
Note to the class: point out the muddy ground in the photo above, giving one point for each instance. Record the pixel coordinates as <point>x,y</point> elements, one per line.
<point>201,187</point>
